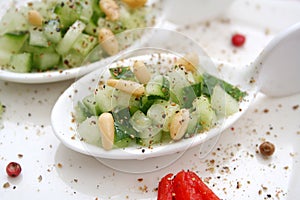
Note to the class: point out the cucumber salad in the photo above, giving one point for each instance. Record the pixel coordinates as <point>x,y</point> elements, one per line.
<point>59,34</point>
<point>144,104</point>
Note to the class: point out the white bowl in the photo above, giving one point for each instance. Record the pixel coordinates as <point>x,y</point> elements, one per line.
<point>60,75</point>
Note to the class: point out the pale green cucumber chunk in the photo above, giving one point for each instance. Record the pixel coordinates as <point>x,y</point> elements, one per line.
<point>72,59</point>
<point>148,132</point>
<point>90,103</point>
<point>91,29</point>
<point>37,37</point>
<point>85,43</point>
<point>14,20</point>
<point>46,61</point>
<point>86,12</point>
<point>5,57</point>
<point>207,115</point>
<point>70,37</point>
<point>103,97</point>
<point>162,112</point>
<point>12,42</point>
<point>81,112</point>
<point>89,131</point>
<point>52,31</point>
<point>223,103</point>
<point>140,122</point>
<point>158,88</point>
<point>67,13</point>
<point>21,63</point>
<point>37,50</point>
<point>194,124</point>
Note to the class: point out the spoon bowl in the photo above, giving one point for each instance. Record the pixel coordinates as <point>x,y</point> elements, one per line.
<point>158,47</point>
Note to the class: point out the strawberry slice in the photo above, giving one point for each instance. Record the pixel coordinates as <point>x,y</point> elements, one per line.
<point>165,188</point>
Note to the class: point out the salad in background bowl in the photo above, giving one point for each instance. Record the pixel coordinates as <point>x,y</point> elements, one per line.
<point>46,41</point>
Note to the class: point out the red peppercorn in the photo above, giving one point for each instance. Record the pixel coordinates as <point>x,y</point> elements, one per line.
<point>13,169</point>
<point>238,40</point>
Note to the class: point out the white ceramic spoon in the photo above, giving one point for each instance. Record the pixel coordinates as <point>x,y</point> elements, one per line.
<point>167,43</point>
<point>280,64</point>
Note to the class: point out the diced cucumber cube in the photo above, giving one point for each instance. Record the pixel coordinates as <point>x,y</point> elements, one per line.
<point>95,55</point>
<point>89,131</point>
<point>14,20</point>
<point>21,63</point>
<point>121,99</point>
<point>86,11</point>
<point>44,9</point>
<point>178,81</point>
<point>193,125</point>
<point>12,42</point>
<point>85,43</point>
<point>162,112</point>
<point>52,31</point>
<point>91,29</point>
<point>158,88</point>
<point>90,103</point>
<point>140,121</point>
<point>103,98</point>
<point>46,61</point>
<point>37,50</point>
<point>81,112</point>
<point>223,103</point>
<point>70,37</point>
<point>37,37</point>
<point>67,13</point>
<point>207,115</point>
<point>5,57</point>
<point>70,11</point>
<point>72,59</point>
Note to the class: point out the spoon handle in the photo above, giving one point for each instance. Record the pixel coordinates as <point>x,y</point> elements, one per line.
<point>279,64</point>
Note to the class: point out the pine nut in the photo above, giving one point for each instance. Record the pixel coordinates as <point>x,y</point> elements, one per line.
<point>141,72</point>
<point>108,41</point>
<point>190,62</point>
<point>129,87</point>
<point>107,129</point>
<point>179,124</point>
<point>111,9</point>
<point>35,18</point>
<point>135,3</point>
